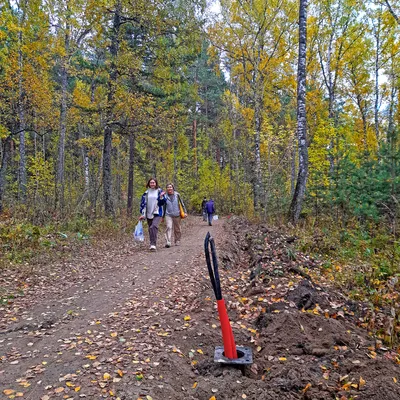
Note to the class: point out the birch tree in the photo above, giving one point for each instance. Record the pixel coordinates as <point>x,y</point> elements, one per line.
<point>300,189</point>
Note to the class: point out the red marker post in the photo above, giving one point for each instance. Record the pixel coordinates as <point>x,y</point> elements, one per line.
<point>227,334</point>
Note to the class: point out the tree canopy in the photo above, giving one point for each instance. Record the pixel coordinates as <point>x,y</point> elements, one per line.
<point>98,96</point>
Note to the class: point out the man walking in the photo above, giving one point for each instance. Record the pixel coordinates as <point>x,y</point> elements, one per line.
<point>210,208</point>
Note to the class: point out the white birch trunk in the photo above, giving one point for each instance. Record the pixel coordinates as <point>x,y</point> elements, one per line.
<point>299,193</point>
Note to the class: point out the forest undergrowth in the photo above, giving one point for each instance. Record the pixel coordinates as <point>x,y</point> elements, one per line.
<point>361,261</point>
<point>25,245</point>
<point>22,240</point>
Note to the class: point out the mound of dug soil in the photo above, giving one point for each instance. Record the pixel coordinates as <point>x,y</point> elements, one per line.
<point>307,340</point>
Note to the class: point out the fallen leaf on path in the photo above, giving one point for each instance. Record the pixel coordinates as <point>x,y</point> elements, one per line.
<point>307,387</point>
<point>139,376</point>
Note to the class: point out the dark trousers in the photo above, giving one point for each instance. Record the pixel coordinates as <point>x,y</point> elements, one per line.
<point>153,229</point>
<point>210,218</point>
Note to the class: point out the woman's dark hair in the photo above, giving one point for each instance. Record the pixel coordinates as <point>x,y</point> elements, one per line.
<point>170,184</point>
<point>152,179</point>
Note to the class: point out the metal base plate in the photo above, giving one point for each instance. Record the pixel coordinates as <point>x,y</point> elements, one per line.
<point>245,356</point>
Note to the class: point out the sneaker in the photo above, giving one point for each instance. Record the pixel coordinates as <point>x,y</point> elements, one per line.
<point>168,245</point>
<point>153,248</point>
<point>178,243</point>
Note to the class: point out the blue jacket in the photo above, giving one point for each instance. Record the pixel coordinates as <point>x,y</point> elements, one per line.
<point>160,203</point>
<point>210,207</point>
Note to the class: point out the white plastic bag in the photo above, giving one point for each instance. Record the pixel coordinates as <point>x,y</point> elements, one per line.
<point>215,217</point>
<point>138,234</point>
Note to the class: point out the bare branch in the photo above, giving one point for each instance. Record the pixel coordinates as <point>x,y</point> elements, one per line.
<point>395,16</point>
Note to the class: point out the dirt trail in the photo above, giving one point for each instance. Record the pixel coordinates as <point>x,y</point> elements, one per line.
<point>48,342</point>
<point>129,324</point>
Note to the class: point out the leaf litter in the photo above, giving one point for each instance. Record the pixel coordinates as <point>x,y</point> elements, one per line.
<point>157,340</point>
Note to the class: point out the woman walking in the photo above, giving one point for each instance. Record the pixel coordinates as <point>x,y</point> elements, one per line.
<point>172,213</point>
<point>151,208</point>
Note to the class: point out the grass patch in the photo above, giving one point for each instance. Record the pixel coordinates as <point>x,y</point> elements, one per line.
<point>365,261</point>
<point>22,241</point>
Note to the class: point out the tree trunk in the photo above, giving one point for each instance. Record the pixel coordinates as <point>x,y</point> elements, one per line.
<point>297,201</point>
<point>258,108</point>
<point>131,173</point>
<point>107,176</point>
<point>377,32</point>
<point>6,150</point>
<point>85,162</point>
<point>329,81</point>
<point>175,147</point>
<point>363,113</point>
<point>257,167</point>
<point>293,167</point>
<point>118,192</point>
<point>391,124</point>
<point>194,128</point>
<point>60,174</point>
<point>21,114</point>
<point>86,170</point>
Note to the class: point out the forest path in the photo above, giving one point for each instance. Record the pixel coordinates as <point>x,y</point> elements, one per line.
<point>116,321</point>
<point>75,335</point>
